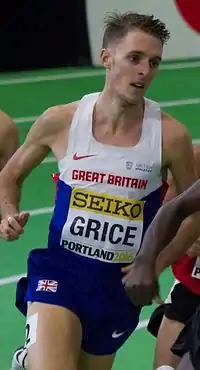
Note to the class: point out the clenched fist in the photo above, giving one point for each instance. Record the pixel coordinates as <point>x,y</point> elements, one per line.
<point>12,226</point>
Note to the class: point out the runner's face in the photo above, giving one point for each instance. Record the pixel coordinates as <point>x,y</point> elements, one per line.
<point>132,64</point>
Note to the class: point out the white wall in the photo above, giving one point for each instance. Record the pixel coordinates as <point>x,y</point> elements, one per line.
<point>184,43</point>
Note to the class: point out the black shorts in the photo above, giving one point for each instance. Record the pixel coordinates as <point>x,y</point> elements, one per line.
<point>189,340</point>
<point>180,306</point>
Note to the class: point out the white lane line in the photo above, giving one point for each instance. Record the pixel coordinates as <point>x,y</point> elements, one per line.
<point>164,104</point>
<point>90,73</point>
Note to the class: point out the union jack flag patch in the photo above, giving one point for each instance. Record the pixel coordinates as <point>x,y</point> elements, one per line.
<point>47,286</point>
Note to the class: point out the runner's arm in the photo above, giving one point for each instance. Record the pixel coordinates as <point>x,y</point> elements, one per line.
<point>184,239</point>
<point>37,145</point>
<point>165,225</point>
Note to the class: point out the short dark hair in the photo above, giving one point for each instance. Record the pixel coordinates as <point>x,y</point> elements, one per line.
<point>117,25</point>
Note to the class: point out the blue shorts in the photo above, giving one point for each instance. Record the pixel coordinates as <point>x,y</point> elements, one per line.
<point>89,288</point>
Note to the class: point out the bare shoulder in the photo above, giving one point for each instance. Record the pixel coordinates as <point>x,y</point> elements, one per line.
<point>178,153</point>
<point>173,130</point>
<point>9,138</point>
<point>53,122</point>
<point>7,126</point>
<point>61,113</point>
<point>5,118</point>
<point>176,138</point>
<point>57,117</point>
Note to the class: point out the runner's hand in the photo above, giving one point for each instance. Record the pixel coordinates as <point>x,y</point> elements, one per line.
<point>141,283</point>
<point>11,227</point>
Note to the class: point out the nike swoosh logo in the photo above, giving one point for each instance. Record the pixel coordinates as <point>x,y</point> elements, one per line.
<point>117,335</point>
<point>78,157</point>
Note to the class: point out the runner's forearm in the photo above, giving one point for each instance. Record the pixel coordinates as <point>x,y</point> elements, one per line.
<point>187,234</point>
<point>168,220</point>
<point>10,195</point>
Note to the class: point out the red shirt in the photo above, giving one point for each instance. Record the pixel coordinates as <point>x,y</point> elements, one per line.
<point>182,270</point>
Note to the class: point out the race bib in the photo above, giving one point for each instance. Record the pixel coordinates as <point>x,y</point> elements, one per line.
<point>196,269</point>
<point>103,226</point>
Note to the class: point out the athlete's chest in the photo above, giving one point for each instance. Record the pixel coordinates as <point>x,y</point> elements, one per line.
<point>110,197</point>
<point>123,174</point>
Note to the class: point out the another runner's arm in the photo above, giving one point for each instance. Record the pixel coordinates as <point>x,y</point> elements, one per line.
<point>179,158</point>
<point>40,140</point>
<point>9,140</point>
<point>182,239</point>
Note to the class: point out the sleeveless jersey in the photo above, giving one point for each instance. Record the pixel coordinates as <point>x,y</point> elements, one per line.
<point>107,195</point>
<point>187,271</point>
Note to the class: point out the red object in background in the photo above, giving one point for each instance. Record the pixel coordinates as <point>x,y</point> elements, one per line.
<point>182,270</point>
<point>190,11</point>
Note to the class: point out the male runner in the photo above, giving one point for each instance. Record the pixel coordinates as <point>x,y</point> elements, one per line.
<point>176,323</point>
<point>113,149</point>
<point>168,320</point>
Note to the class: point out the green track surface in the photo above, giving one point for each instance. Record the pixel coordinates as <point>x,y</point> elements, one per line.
<point>30,99</point>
